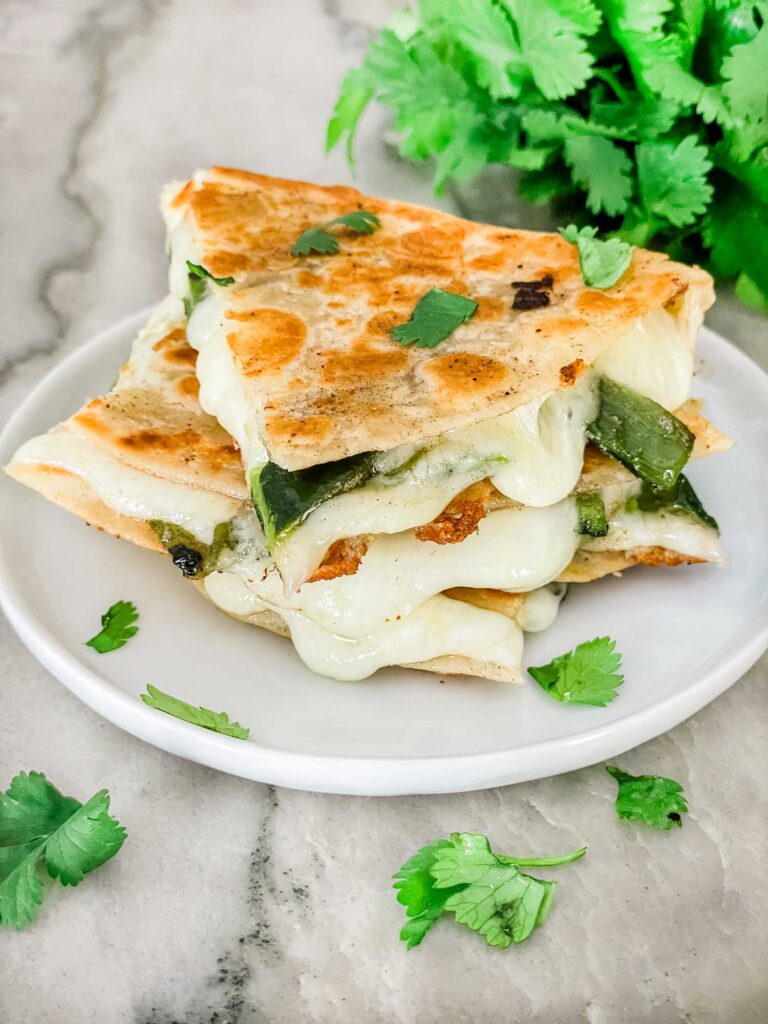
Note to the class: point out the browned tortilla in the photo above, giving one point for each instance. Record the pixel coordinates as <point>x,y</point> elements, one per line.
<point>310,335</point>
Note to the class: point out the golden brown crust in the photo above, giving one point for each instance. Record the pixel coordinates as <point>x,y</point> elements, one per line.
<point>152,421</point>
<point>592,565</point>
<point>343,558</point>
<point>360,390</point>
<point>455,523</point>
<point>492,600</point>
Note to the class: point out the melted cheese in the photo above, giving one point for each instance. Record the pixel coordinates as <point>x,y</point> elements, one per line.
<point>438,627</point>
<point>221,389</point>
<point>543,443</point>
<point>655,359</point>
<point>540,607</point>
<point>128,491</point>
<point>376,508</point>
<point>181,242</point>
<point>513,549</point>
<point>533,455</point>
<point>674,531</point>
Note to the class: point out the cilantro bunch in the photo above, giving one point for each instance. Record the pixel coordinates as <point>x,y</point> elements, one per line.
<point>647,117</point>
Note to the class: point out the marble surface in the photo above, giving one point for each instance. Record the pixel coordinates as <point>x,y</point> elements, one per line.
<point>235,903</point>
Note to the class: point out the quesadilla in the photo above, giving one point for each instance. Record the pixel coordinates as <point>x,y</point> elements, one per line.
<point>353,440</point>
<point>146,463</point>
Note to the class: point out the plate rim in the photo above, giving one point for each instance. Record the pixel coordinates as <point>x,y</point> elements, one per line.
<point>354,775</point>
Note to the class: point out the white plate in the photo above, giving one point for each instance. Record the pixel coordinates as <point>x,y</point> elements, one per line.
<point>685,634</point>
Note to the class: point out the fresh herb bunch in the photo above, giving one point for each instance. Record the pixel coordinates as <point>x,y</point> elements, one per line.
<point>646,117</point>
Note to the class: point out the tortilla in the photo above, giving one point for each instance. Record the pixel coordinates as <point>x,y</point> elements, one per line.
<point>310,335</point>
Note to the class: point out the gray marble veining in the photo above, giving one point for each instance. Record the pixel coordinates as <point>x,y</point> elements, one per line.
<point>234,903</point>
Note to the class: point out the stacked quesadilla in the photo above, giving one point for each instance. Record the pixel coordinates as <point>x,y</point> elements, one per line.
<point>390,433</point>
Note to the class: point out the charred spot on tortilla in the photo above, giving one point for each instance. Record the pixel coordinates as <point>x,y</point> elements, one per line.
<point>541,282</point>
<point>532,294</point>
<point>530,298</point>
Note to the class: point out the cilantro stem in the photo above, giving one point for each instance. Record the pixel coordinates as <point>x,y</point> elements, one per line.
<point>542,862</point>
<point>607,76</point>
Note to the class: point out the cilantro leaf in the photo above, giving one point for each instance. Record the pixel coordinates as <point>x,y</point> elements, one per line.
<point>750,294</point>
<point>199,273</point>
<point>602,262</point>
<point>437,315</point>
<point>41,828</point>
<point>354,96</point>
<point>488,34</point>
<point>485,890</point>
<point>649,798</point>
<point>551,40</point>
<point>495,898</point>
<point>319,239</point>
<point>745,87</point>
<point>431,98</point>
<point>117,627</point>
<point>198,276</point>
<point>416,890</point>
<point>735,230</point>
<point>673,179</point>
<point>603,169</point>
<point>216,721</point>
<point>587,675</point>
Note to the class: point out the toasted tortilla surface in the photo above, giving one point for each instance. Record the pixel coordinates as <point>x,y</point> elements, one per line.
<point>310,335</point>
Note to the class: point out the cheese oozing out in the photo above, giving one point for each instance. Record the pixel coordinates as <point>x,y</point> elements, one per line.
<point>131,492</point>
<point>533,455</point>
<point>438,627</point>
<point>517,550</point>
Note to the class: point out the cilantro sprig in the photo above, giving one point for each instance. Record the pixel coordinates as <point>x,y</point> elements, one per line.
<point>436,315</point>
<point>652,799</point>
<point>117,627</point>
<point>651,116</point>
<point>216,721</point>
<point>587,675</point>
<point>319,239</point>
<point>43,833</point>
<point>485,891</point>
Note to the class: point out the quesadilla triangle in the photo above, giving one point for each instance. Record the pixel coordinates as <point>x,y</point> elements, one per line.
<point>147,464</point>
<point>376,360</point>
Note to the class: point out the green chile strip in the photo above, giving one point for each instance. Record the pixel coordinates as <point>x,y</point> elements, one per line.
<point>680,498</point>
<point>591,511</point>
<point>641,434</point>
<point>283,499</point>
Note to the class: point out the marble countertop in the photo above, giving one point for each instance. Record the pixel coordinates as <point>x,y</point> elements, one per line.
<point>236,903</point>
